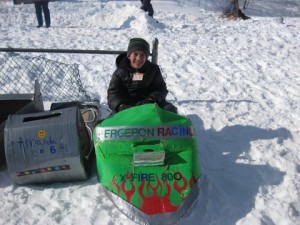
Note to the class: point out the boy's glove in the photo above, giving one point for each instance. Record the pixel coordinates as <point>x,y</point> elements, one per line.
<point>147,100</point>
<point>123,106</point>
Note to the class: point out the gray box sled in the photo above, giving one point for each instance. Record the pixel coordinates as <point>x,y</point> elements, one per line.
<point>47,147</point>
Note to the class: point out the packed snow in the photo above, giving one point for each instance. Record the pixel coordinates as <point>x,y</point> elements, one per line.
<point>238,81</point>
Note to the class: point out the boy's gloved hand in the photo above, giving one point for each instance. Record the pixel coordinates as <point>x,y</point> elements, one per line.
<point>123,106</point>
<point>147,100</point>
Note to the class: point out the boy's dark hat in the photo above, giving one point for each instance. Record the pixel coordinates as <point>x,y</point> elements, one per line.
<point>138,44</point>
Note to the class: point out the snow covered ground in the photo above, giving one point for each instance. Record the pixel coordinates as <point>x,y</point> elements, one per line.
<point>238,81</point>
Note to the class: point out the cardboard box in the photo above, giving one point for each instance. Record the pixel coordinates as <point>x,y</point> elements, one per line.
<point>47,147</point>
<point>90,112</point>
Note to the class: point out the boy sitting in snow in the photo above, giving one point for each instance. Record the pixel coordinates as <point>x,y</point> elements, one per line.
<point>136,80</point>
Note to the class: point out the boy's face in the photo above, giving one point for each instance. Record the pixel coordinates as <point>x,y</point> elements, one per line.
<point>137,59</point>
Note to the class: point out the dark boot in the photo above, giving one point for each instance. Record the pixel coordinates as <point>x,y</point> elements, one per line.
<point>168,106</point>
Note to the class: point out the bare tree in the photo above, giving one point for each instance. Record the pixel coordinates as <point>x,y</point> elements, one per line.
<point>236,7</point>
<point>232,10</point>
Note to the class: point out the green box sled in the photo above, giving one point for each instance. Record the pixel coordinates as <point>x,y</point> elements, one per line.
<point>147,158</point>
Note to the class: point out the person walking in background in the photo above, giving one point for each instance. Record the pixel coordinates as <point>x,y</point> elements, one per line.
<point>137,81</point>
<point>42,5</point>
<point>147,7</point>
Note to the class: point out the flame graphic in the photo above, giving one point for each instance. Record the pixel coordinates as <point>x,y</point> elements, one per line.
<point>156,204</point>
<point>152,200</point>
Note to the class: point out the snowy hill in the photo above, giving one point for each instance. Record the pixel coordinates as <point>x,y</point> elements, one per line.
<point>238,81</point>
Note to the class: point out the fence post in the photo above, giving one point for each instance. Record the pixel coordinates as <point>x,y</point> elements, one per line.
<point>155,51</point>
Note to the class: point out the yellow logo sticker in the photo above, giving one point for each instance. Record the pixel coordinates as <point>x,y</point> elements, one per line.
<point>41,133</point>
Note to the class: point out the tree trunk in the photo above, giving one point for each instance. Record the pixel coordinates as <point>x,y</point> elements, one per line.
<point>237,7</point>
